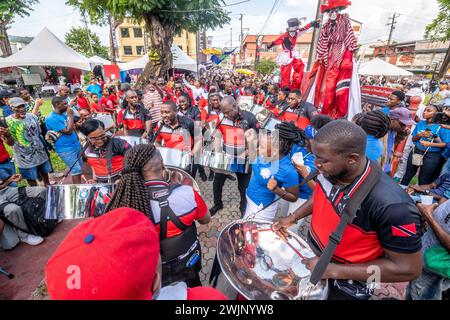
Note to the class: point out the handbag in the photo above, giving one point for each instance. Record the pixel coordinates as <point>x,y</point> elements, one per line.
<point>437,260</point>
<point>417,158</point>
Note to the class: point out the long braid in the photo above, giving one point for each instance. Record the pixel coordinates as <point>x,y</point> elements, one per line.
<point>131,191</point>
<point>375,123</point>
<point>289,135</point>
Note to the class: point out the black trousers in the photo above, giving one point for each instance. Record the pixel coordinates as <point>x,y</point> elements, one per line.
<point>243,181</point>
<point>195,168</point>
<point>429,171</point>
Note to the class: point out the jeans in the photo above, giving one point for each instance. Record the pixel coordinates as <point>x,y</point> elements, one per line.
<point>7,169</point>
<point>429,286</point>
<point>69,158</point>
<point>428,171</point>
<point>34,173</point>
<point>219,181</point>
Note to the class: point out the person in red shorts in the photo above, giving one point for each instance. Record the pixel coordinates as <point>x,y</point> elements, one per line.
<point>114,257</point>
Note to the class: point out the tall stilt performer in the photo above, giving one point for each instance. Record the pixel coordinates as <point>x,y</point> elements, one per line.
<point>289,58</point>
<point>336,89</point>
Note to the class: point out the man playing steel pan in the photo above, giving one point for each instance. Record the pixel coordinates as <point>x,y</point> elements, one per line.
<point>234,125</point>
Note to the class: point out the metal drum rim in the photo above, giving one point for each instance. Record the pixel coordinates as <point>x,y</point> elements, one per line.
<point>298,238</point>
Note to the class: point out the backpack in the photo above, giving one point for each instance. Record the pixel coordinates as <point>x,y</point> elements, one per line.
<point>33,213</point>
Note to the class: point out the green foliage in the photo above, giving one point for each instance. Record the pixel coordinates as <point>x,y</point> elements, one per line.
<point>266,67</point>
<point>189,15</point>
<point>88,77</point>
<point>11,8</point>
<point>439,29</point>
<point>78,39</point>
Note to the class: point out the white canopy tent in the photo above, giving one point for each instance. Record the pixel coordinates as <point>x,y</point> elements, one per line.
<point>46,50</point>
<point>180,61</point>
<point>378,67</point>
<point>96,60</point>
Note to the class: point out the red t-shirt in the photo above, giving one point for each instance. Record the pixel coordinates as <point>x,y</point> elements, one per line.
<point>103,103</point>
<point>95,107</point>
<point>4,155</point>
<point>83,103</point>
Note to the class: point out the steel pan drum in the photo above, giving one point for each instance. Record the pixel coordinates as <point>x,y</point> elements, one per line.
<point>222,162</point>
<point>133,141</point>
<point>246,103</point>
<point>261,265</point>
<point>106,118</point>
<point>77,201</point>
<point>271,123</point>
<point>175,158</point>
<point>261,114</point>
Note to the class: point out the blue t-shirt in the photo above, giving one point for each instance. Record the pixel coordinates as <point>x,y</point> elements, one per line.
<point>386,110</point>
<point>435,129</point>
<point>305,192</point>
<point>66,142</point>
<point>7,111</point>
<point>374,148</point>
<point>95,89</point>
<point>283,171</point>
<point>443,184</point>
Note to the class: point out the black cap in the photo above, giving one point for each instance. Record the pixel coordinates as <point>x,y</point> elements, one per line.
<point>5,94</point>
<point>293,23</point>
<point>400,95</point>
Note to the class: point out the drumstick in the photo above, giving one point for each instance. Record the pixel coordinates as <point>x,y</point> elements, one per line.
<point>282,237</point>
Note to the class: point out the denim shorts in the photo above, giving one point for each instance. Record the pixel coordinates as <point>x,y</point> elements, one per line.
<point>7,169</point>
<point>33,173</point>
<point>69,158</point>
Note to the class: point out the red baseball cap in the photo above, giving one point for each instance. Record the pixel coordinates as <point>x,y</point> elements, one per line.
<point>113,257</point>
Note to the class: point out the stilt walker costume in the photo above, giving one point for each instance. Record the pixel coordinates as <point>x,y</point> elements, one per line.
<point>290,58</point>
<point>336,88</point>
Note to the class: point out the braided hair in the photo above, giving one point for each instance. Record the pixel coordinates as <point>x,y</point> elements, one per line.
<point>131,191</point>
<point>375,123</point>
<point>289,135</point>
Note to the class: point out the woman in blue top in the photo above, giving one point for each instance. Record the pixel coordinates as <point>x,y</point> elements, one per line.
<point>429,140</point>
<point>273,172</point>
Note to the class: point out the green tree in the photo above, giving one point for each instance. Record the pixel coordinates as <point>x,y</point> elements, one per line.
<point>8,10</point>
<point>266,66</point>
<point>162,19</point>
<point>78,39</point>
<point>100,16</point>
<point>439,30</point>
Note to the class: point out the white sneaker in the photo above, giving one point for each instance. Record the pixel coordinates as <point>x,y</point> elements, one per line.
<point>31,239</point>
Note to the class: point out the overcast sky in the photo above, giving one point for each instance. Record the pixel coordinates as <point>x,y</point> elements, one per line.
<point>415,15</point>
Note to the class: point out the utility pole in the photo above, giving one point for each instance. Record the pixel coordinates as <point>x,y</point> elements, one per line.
<point>83,14</point>
<point>315,38</point>
<point>231,38</point>
<point>391,24</point>
<point>241,38</point>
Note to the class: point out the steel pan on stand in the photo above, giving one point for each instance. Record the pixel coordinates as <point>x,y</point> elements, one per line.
<point>222,162</point>
<point>270,123</point>
<point>133,141</point>
<point>77,201</point>
<point>263,265</point>
<point>246,103</point>
<point>106,118</point>
<point>176,158</point>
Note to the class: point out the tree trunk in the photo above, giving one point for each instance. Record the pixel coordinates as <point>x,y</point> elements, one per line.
<point>445,65</point>
<point>5,46</point>
<point>161,39</point>
<point>112,45</point>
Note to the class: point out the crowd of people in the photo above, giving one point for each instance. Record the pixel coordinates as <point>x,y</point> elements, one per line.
<point>304,171</point>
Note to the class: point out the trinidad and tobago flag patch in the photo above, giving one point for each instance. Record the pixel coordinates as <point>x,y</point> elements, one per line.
<point>407,230</point>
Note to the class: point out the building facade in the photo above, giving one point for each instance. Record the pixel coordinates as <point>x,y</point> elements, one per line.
<point>134,42</point>
<point>420,56</point>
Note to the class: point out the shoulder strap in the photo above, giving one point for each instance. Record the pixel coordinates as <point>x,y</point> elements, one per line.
<point>155,136</point>
<point>347,217</point>
<point>167,214</point>
<point>108,155</point>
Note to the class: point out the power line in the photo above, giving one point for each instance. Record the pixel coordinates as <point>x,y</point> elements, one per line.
<point>207,9</point>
